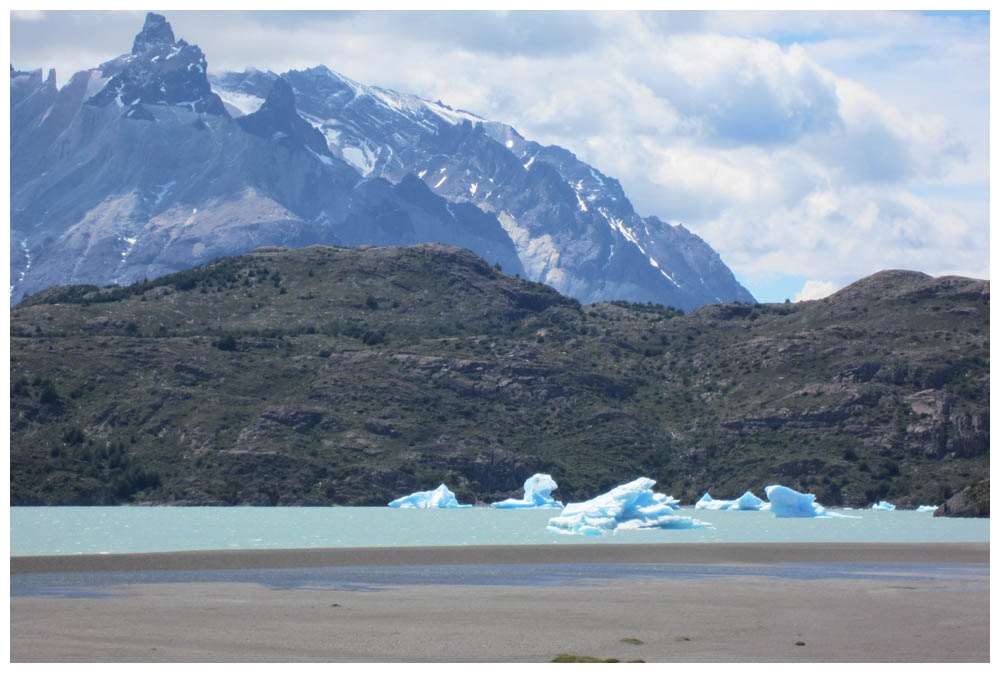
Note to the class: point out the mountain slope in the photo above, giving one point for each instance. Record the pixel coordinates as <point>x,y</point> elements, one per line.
<point>135,169</point>
<point>573,227</point>
<point>353,376</point>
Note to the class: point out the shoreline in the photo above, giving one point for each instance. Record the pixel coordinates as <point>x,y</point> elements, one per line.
<point>661,553</point>
<point>884,614</point>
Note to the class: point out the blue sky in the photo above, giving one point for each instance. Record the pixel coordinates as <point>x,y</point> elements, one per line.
<point>809,149</point>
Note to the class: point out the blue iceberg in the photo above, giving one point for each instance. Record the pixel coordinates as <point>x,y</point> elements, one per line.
<point>786,503</point>
<point>747,501</point>
<point>631,506</point>
<point>440,497</point>
<point>537,490</point>
<point>883,506</point>
<point>927,508</point>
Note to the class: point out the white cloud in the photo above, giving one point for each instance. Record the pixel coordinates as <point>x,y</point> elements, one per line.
<point>813,144</point>
<point>816,289</point>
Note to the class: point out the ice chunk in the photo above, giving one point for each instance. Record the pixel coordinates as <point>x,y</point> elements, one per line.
<point>627,507</point>
<point>440,497</point>
<point>707,502</point>
<point>747,501</point>
<point>883,506</point>
<point>927,508</point>
<point>537,490</point>
<point>786,503</point>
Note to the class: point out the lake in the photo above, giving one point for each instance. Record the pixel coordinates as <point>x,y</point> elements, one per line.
<point>115,530</point>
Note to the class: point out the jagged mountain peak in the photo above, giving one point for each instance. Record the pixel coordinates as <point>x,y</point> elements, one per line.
<point>278,120</point>
<point>290,160</point>
<point>158,71</point>
<point>156,35</point>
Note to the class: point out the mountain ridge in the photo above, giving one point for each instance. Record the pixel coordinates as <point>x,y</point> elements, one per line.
<point>137,168</point>
<point>326,375</point>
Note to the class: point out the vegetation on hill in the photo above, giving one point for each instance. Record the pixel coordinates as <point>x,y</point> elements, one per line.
<point>354,376</point>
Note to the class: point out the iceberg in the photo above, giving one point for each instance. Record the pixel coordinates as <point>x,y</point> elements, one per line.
<point>537,490</point>
<point>707,502</point>
<point>786,503</point>
<point>883,506</point>
<point>747,501</point>
<point>927,508</point>
<point>440,497</point>
<point>631,506</point>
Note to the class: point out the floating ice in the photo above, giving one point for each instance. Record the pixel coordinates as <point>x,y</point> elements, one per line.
<point>440,497</point>
<point>537,490</point>
<point>927,508</point>
<point>883,506</point>
<point>786,503</point>
<point>627,507</point>
<point>747,501</point>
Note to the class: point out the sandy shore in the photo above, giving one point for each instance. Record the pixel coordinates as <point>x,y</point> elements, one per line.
<point>721,619</point>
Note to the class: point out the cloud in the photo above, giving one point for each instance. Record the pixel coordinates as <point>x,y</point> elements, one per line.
<point>810,144</point>
<point>816,289</point>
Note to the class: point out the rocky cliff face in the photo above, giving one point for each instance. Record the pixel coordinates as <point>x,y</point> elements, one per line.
<point>971,502</point>
<point>573,227</point>
<point>144,165</point>
<point>135,169</point>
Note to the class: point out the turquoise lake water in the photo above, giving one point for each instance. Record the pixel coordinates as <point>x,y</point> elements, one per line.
<point>115,530</point>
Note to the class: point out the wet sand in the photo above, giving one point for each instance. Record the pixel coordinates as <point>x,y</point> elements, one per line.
<point>721,619</point>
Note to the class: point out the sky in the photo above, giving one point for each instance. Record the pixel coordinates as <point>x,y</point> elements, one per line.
<point>808,148</point>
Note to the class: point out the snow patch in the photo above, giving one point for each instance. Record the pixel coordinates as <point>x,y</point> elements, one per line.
<point>422,173</point>
<point>359,157</point>
<point>129,244</point>
<point>440,182</point>
<point>473,187</point>
<point>243,102</point>
<point>324,159</point>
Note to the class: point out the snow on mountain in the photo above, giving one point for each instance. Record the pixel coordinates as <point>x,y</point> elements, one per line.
<point>573,227</point>
<point>151,174</point>
<point>146,164</point>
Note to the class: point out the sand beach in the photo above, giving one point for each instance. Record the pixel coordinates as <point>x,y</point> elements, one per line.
<point>921,610</point>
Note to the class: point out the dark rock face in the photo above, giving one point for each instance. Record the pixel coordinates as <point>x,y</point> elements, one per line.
<point>278,120</point>
<point>971,502</point>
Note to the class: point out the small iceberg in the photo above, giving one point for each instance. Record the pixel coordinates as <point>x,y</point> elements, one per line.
<point>747,501</point>
<point>631,506</point>
<point>440,498</point>
<point>786,503</point>
<point>883,506</point>
<point>927,508</point>
<point>537,490</point>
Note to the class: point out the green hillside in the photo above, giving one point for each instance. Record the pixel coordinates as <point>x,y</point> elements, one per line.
<point>353,376</point>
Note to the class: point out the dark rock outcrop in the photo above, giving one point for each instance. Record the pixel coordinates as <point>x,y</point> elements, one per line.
<point>971,502</point>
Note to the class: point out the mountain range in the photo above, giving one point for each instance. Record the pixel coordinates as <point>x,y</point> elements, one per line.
<point>147,165</point>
